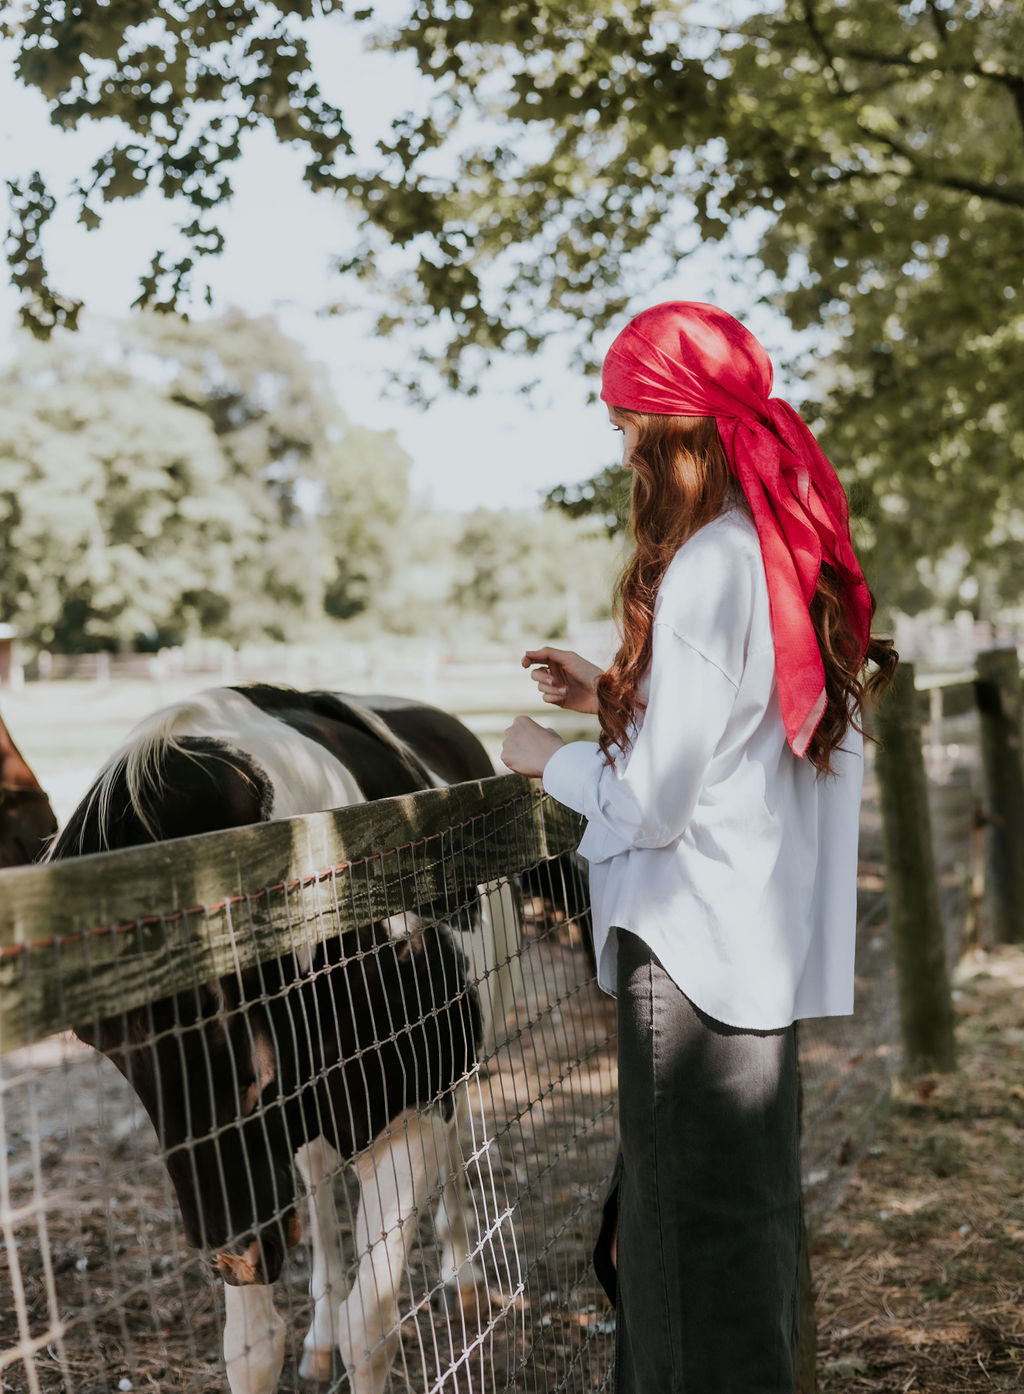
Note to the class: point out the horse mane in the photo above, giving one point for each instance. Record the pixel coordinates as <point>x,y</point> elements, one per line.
<point>139,764</point>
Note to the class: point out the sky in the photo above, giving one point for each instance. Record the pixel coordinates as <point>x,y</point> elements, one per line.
<point>496,449</point>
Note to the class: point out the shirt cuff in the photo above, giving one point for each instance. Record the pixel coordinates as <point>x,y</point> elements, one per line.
<point>572,771</point>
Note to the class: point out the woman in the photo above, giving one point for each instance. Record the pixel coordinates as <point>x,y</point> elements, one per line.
<point>722,803</point>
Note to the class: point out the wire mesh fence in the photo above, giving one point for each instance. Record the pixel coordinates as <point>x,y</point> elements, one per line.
<point>416,1019</point>
<point>847,1063</point>
<point>291,989</point>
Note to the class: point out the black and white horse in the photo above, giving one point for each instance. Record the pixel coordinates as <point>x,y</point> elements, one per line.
<point>364,1047</point>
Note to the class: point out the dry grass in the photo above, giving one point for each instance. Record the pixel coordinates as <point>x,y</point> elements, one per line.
<point>920,1272</point>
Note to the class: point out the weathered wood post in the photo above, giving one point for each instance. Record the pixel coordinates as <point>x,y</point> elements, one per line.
<point>915,915</point>
<point>998,690</point>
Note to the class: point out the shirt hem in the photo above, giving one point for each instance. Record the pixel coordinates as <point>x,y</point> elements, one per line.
<point>709,1005</point>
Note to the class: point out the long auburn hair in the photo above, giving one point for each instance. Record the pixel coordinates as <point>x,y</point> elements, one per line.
<point>681,481</point>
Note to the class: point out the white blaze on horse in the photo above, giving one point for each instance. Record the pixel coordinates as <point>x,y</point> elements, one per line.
<point>363,1047</point>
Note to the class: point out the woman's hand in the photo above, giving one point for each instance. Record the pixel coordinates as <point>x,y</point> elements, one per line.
<point>565,679</point>
<point>528,746</point>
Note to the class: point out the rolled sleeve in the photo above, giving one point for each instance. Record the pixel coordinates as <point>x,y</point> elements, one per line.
<point>568,775</point>
<point>571,770</point>
<point>647,797</point>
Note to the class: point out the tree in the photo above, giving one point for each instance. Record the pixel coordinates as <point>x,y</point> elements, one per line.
<point>861,130</point>
<point>570,153</point>
<point>165,479</point>
<point>117,516</point>
<point>326,493</point>
<point>526,573</point>
<point>186,82</point>
<point>498,575</point>
<point>365,514</point>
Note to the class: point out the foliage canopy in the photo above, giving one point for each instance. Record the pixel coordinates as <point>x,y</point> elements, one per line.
<point>569,154</point>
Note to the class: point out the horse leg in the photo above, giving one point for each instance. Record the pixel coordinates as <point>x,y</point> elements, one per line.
<point>318,1162</point>
<point>461,1277</point>
<point>396,1175</point>
<point>462,1274</point>
<point>253,1339</point>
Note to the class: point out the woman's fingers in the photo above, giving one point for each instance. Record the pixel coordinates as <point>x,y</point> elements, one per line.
<point>552,689</point>
<point>548,677</point>
<point>547,655</point>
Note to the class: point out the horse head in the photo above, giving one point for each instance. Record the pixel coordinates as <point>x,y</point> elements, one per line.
<point>27,823</point>
<point>206,1068</point>
<point>26,819</point>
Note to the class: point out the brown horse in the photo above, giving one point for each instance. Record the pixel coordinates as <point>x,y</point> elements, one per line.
<point>26,818</point>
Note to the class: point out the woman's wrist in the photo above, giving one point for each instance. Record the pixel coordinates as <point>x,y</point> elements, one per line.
<point>529,746</point>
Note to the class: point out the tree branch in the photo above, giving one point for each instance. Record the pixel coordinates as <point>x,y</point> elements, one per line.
<point>986,69</point>
<point>1013,81</point>
<point>990,71</point>
<point>994,72</point>
<point>1011,195</point>
<point>939,20</point>
<point>814,29</point>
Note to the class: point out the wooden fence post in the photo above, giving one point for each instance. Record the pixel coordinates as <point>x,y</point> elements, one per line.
<point>915,915</point>
<point>998,690</point>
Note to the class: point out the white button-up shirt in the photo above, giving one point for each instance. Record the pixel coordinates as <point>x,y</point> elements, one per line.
<point>731,858</point>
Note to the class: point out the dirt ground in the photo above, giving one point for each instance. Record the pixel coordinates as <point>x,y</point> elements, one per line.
<point>920,1271</point>
<point>918,1264</point>
<point>110,1299</point>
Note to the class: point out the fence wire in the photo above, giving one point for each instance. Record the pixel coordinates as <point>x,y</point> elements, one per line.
<point>847,1063</point>
<point>449,1250</point>
<point>452,1250</point>
<point>952,752</point>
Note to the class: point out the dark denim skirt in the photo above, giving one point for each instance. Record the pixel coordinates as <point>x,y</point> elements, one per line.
<point>707,1195</point>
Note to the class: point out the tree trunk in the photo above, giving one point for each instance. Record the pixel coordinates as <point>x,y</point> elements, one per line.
<point>998,691</point>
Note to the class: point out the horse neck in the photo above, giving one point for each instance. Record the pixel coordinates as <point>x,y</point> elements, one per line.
<point>14,772</point>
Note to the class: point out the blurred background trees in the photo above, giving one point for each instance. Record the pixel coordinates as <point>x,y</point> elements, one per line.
<point>162,480</point>
<point>118,518</point>
<point>861,163</point>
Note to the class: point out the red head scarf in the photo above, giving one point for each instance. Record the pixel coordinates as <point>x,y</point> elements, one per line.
<point>687,359</point>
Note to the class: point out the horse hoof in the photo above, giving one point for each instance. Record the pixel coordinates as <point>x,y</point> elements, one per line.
<point>317,1365</point>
